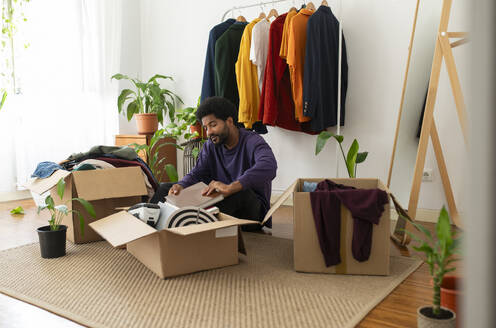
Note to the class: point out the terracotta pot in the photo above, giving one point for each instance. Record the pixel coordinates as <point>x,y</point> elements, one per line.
<point>424,320</point>
<point>450,293</point>
<point>146,123</point>
<point>198,128</point>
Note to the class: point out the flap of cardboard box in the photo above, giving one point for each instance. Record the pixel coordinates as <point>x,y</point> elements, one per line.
<point>39,185</point>
<point>110,183</point>
<point>121,228</point>
<point>280,200</point>
<point>197,228</point>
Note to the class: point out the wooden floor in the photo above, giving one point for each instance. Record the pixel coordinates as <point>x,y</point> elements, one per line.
<point>397,310</point>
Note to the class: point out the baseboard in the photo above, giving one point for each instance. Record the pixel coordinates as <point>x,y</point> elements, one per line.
<point>14,195</point>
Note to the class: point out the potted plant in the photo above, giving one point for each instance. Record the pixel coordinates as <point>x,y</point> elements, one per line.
<point>352,159</point>
<point>186,126</point>
<point>148,102</point>
<point>152,154</point>
<point>52,237</point>
<point>439,256</point>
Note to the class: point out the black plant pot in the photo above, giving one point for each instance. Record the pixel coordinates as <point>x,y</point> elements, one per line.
<point>52,243</point>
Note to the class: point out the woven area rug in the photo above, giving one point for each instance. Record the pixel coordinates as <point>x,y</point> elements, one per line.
<point>99,286</point>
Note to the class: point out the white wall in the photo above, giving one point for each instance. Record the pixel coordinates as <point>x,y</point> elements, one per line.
<point>131,54</point>
<point>174,40</point>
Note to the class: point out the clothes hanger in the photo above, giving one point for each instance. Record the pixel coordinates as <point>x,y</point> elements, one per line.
<point>310,6</point>
<point>293,8</point>
<point>241,18</point>
<point>272,13</point>
<point>262,14</point>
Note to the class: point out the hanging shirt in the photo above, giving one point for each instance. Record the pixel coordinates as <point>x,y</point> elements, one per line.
<point>276,103</point>
<point>297,39</point>
<point>208,85</point>
<point>226,54</point>
<point>247,80</point>
<point>259,48</point>
<point>284,43</point>
<point>320,83</point>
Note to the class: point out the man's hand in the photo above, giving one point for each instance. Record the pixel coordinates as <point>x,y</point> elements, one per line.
<point>225,190</point>
<point>175,189</point>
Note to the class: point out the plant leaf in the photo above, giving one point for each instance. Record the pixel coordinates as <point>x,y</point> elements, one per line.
<point>443,229</point>
<point>351,158</point>
<point>62,208</point>
<point>119,76</point>
<point>321,141</point>
<point>171,172</point>
<point>132,108</point>
<point>4,97</point>
<point>361,157</point>
<point>17,210</point>
<point>123,97</point>
<point>61,188</point>
<point>49,202</point>
<point>87,206</point>
<point>158,76</point>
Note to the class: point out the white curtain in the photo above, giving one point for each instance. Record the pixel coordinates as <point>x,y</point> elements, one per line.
<point>68,103</point>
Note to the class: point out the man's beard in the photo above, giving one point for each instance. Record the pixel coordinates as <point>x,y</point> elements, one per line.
<point>221,137</point>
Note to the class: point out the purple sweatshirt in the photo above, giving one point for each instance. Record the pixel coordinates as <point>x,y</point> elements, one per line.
<point>251,162</point>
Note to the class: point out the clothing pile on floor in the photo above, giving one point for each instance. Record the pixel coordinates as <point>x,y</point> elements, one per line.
<point>98,158</point>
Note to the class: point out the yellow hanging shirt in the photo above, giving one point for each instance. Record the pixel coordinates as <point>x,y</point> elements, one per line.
<point>247,79</point>
<point>283,53</point>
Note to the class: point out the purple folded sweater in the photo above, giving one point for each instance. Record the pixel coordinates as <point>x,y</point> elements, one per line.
<point>366,207</point>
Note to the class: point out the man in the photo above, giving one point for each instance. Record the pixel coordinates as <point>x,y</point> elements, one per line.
<point>235,162</point>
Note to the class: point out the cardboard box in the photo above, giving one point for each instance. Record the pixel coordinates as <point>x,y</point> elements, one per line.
<point>175,251</point>
<point>104,189</point>
<point>307,253</point>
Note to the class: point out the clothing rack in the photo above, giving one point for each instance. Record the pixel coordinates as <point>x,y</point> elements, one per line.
<point>338,128</point>
<point>259,4</point>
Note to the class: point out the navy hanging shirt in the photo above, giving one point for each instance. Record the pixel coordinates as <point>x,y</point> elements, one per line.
<point>208,85</point>
<point>320,82</point>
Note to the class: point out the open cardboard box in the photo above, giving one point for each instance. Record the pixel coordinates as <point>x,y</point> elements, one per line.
<point>307,253</point>
<point>176,251</point>
<point>104,189</point>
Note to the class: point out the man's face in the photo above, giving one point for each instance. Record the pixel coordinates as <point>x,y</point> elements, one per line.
<point>217,129</point>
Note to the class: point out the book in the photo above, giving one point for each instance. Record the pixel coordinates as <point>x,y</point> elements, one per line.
<point>192,196</point>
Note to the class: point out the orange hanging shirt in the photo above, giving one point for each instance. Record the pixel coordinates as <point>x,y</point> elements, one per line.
<point>283,53</point>
<point>297,38</point>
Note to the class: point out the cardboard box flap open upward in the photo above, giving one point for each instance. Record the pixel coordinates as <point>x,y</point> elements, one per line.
<point>121,228</point>
<point>115,183</point>
<point>280,200</point>
<point>40,186</point>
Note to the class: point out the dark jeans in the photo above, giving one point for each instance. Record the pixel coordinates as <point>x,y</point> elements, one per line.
<point>242,205</point>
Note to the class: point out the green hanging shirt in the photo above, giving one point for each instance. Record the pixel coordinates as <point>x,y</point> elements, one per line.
<point>226,55</point>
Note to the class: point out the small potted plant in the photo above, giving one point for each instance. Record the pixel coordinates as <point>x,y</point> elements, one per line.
<point>352,159</point>
<point>439,256</point>
<point>186,126</point>
<point>152,154</point>
<point>52,237</point>
<point>149,103</point>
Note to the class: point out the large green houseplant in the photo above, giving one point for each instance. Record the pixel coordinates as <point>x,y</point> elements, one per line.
<point>440,254</point>
<point>52,237</point>
<point>352,159</point>
<point>148,101</point>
